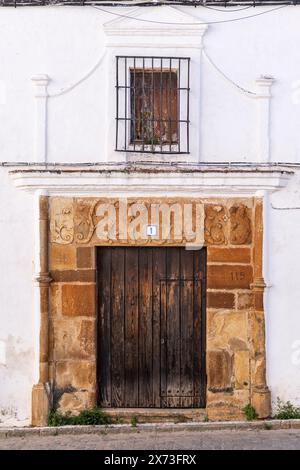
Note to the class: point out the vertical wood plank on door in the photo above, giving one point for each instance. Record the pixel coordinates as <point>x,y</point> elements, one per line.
<point>131,365</point>
<point>173,327</point>
<point>163,341</point>
<point>117,326</point>
<point>159,272</point>
<point>104,327</point>
<point>186,331</point>
<point>197,324</point>
<point>145,327</point>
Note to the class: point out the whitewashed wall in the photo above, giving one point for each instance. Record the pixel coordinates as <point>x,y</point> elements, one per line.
<point>18,327</point>
<point>282,275</point>
<point>66,43</point>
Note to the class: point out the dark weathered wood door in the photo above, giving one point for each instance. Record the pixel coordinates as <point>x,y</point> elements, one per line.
<point>151,332</point>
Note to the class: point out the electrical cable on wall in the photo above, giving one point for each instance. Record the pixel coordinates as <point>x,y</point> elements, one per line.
<point>212,63</point>
<point>239,87</point>
<point>63,91</point>
<point>190,24</point>
<point>224,6</point>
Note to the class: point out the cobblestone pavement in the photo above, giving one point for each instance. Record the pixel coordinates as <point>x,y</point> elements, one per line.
<point>225,439</point>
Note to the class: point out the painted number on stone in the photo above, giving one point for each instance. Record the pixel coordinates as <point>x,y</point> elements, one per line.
<point>237,275</point>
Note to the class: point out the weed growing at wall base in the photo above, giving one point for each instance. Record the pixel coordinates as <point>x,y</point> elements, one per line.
<point>250,412</point>
<point>86,417</point>
<point>286,410</point>
<point>134,421</point>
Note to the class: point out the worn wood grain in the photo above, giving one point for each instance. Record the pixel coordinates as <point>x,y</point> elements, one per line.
<point>186,330</point>
<point>151,327</point>
<point>131,328</point>
<point>145,327</point>
<point>104,327</point>
<point>117,326</point>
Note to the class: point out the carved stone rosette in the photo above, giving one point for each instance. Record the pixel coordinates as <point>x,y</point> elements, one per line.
<point>215,224</point>
<point>240,225</point>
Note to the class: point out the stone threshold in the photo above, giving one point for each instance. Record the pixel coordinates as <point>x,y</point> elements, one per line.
<point>157,415</point>
<point>263,425</point>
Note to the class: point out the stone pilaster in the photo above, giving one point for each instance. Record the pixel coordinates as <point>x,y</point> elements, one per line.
<point>41,391</point>
<point>260,394</point>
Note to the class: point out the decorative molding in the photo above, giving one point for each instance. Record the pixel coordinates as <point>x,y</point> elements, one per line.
<point>85,217</point>
<point>240,222</point>
<point>258,284</point>
<point>215,224</point>
<point>61,222</point>
<point>43,279</point>
<point>155,36</point>
<point>263,96</point>
<point>168,180</point>
<point>168,34</point>
<point>40,87</point>
<point>83,220</point>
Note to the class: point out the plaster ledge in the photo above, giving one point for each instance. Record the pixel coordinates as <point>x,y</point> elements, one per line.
<point>151,179</point>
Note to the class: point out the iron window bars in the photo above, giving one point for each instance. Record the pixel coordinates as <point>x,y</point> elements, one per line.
<point>152,104</point>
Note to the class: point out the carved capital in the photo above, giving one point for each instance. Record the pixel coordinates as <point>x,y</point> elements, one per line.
<point>40,83</point>
<point>43,279</point>
<point>258,284</point>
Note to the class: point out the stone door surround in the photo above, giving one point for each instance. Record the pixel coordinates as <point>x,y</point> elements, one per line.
<point>235,334</point>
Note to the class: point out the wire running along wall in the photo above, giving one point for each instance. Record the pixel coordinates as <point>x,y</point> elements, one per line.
<point>205,3</point>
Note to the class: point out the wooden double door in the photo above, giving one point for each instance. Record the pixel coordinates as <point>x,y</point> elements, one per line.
<point>151,327</point>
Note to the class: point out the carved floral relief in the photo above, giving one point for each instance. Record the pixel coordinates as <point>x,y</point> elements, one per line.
<point>61,221</point>
<point>215,224</point>
<point>83,220</point>
<point>75,220</point>
<point>240,225</point>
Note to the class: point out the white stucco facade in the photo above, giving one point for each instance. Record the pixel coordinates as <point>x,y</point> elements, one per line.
<point>75,48</point>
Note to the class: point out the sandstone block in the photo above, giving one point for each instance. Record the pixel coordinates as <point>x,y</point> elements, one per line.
<point>74,339</point>
<point>228,255</point>
<point>241,369</point>
<point>62,256</point>
<point>79,375</point>
<point>85,258</point>
<point>261,401</point>
<point>55,299</point>
<point>75,402</point>
<point>227,329</point>
<point>219,370</point>
<point>78,300</point>
<point>245,300</point>
<point>40,406</point>
<point>80,275</point>
<point>224,406</point>
<point>229,276</point>
<point>220,300</point>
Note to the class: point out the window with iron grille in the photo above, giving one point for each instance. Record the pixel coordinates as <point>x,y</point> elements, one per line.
<point>152,104</point>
